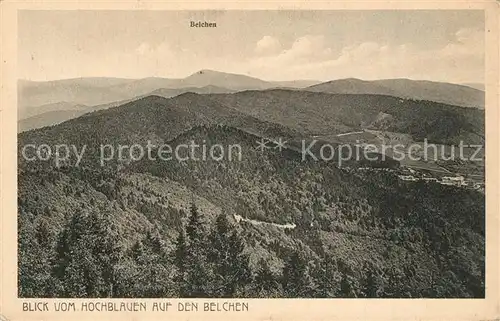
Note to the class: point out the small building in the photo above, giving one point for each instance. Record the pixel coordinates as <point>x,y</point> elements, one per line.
<point>455,180</point>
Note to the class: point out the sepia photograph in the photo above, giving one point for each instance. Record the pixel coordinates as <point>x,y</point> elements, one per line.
<point>208,160</point>
<point>198,154</point>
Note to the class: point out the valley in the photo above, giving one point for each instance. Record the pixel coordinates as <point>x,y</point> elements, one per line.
<point>292,226</point>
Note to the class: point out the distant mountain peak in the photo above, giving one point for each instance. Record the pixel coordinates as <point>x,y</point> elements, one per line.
<point>153,98</point>
<point>209,72</point>
<point>188,94</point>
<point>352,79</point>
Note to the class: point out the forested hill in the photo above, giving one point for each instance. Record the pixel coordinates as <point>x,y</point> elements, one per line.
<point>152,118</point>
<point>327,114</point>
<point>155,229</point>
<point>452,94</point>
<point>273,113</point>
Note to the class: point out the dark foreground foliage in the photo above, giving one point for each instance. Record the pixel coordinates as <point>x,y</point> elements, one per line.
<point>152,229</point>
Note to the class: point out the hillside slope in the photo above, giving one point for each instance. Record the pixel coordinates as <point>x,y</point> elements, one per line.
<point>99,91</point>
<point>452,94</point>
<point>409,239</point>
<point>331,114</point>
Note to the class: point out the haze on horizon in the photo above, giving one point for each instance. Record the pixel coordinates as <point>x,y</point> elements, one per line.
<point>440,45</point>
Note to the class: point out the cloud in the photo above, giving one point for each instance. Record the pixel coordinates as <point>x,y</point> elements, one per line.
<point>310,47</point>
<point>462,60</point>
<point>302,51</point>
<point>145,49</point>
<point>312,56</point>
<point>468,42</point>
<point>470,36</point>
<point>144,60</point>
<point>267,45</point>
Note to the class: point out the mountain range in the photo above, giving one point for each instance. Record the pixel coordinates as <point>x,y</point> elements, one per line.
<point>451,94</point>
<point>95,91</point>
<point>74,97</point>
<point>52,114</point>
<point>304,112</point>
<point>384,237</point>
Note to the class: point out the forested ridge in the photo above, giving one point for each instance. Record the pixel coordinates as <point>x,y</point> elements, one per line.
<point>166,229</point>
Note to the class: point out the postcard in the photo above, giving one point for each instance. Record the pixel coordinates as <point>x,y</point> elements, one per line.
<point>266,161</point>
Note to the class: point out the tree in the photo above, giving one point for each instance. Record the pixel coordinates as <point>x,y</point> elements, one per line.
<point>105,249</point>
<point>180,256</point>
<point>43,234</point>
<point>154,242</point>
<point>86,253</point>
<point>240,263</point>
<point>198,274</point>
<point>153,271</point>
<point>347,289</point>
<point>231,264</point>
<point>137,251</point>
<point>297,281</point>
<point>266,283</point>
<point>371,284</point>
<point>325,276</point>
<point>34,279</point>
<point>194,229</point>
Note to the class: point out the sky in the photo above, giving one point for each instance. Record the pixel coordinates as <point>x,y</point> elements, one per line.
<point>271,45</point>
